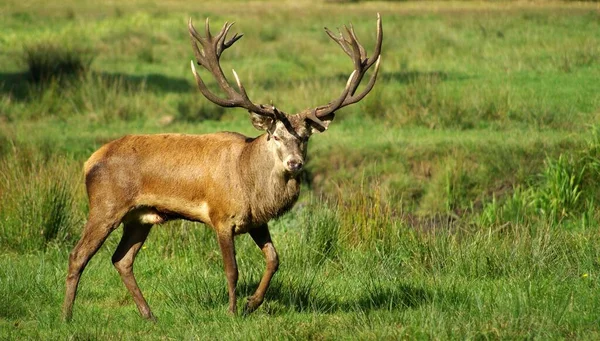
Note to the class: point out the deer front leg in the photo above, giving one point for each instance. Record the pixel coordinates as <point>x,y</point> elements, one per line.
<point>262,238</point>
<point>225,237</point>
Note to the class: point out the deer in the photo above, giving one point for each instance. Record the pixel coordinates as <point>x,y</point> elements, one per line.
<point>233,183</point>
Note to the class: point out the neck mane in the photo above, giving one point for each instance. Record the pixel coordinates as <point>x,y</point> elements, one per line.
<point>271,191</point>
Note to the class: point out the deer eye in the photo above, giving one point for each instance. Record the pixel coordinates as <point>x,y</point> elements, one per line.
<point>276,138</point>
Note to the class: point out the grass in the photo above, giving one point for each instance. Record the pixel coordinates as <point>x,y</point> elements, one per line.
<point>512,283</point>
<point>458,200</point>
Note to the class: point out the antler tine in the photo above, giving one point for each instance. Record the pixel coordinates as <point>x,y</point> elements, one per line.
<point>355,98</point>
<point>357,50</point>
<point>251,106</point>
<point>208,57</point>
<point>340,41</point>
<point>220,42</point>
<point>193,31</point>
<point>198,54</point>
<point>363,53</point>
<point>207,30</point>
<point>377,51</point>
<point>344,94</point>
<point>235,38</point>
<point>223,35</point>
<point>194,35</point>
<point>207,93</point>
<point>357,53</point>
<point>313,113</point>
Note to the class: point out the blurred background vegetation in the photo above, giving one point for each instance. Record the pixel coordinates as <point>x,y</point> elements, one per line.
<point>467,181</point>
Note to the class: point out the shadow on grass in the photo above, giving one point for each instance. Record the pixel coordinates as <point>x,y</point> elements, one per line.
<point>16,84</point>
<point>20,84</point>
<point>153,82</point>
<point>12,308</point>
<point>407,77</point>
<point>385,298</point>
<point>402,77</point>
<point>317,298</point>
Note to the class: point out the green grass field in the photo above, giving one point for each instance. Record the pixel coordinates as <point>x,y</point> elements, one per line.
<point>459,200</point>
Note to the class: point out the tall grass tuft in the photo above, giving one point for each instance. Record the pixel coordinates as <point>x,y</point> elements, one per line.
<point>106,99</point>
<point>515,209</point>
<point>322,234</point>
<point>366,219</point>
<point>101,99</point>
<point>38,202</point>
<point>56,203</point>
<point>560,192</point>
<point>565,189</point>
<point>301,291</point>
<point>48,60</point>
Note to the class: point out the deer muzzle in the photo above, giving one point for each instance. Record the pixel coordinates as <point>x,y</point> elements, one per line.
<point>294,165</point>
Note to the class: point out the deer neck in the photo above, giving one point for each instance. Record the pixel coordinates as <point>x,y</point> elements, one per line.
<point>271,190</point>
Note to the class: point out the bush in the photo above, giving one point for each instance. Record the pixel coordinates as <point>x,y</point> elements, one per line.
<point>49,60</point>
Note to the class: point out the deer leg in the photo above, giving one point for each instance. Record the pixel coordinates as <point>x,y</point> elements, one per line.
<point>262,238</point>
<point>225,237</point>
<point>94,234</point>
<point>134,235</point>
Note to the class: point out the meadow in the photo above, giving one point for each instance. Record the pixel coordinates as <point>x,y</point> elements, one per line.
<point>458,200</point>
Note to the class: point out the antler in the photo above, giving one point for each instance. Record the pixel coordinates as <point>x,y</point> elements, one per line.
<point>208,57</point>
<point>357,53</point>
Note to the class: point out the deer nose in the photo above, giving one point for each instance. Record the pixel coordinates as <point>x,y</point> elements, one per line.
<point>294,165</point>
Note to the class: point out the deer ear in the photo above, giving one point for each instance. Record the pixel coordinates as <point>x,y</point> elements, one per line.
<point>262,122</point>
<point>319,128</point>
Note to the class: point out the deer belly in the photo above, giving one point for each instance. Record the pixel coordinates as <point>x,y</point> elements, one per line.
<point>155,210</point>
<point>145,215</point>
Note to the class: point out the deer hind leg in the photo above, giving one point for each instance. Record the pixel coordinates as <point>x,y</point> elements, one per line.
<point>134,235</point>
<point>94,234</point>
<point>225,238</point>
<point>262,238</point>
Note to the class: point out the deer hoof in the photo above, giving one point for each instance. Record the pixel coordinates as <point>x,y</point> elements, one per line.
<point>252,304</point>
<point>149,317</point>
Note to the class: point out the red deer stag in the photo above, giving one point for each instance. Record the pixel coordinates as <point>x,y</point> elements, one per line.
<point>231,182</point>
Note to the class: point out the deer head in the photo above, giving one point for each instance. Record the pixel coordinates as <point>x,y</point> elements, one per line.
<point>287,135</point>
